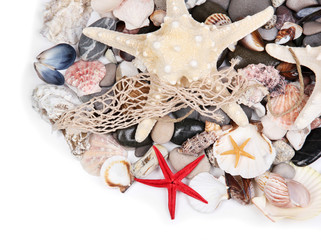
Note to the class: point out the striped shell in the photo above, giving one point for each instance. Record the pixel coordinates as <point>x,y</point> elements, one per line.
<point>84,77</point>
<point>284,102</point>
<point>211,126</point>
<point>101,148</point>
<point>218,19</point>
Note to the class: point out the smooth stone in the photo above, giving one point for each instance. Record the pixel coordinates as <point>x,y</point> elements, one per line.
<point>247,56</point>
<point>223,3</point>
<point>89,49</point>
<point>283,15</point>
<point>126,137</point>
<point>201,12</point>
<point>241,8</point>
<point>297,5</point>
<point>179,161</point>
<point>312,40</point>
<point>284,152</point>
<point>186,129</point>
<point>297,137</point>
<point>140,151</point>
<point>310,28</point>
<point>183,111</point>
<point>160,4</point>
<point>225,118</point>
<point>271,130</point>
<point>110,77</point>
<point>88,97</point>
<point>311,150</point>
<point>247,110</point>
<point>284,170</point>
<point>268,34</point>
<point>163,131</point>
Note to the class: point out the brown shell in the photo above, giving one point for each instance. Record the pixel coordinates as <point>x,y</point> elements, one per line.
<point>253,41</point>
<point>285,35</point>
<point>288,70</point>
<point>218,19</point>
<point>240,189</point>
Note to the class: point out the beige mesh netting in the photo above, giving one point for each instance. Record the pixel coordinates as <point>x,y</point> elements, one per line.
<point>145,96</point>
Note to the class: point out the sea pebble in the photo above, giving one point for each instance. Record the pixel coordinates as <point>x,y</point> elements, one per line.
<point>311,150</point>
<point>163,130</point>
<point>103,6</point>
<point>126,137</point>
<point>297,5</point>
<point>110,76</point>
<point>259,109</point>
<point>225,118</point>
<point>284,152</point>
<point>179,161</point>
<point>271,130</point>
<point>297,137</point>
<point>183,111</point>
<point>284,170</point>
<point>277,3</point>
<point>186,129</point>
<point>241,8</point>
<point>201,12</point>
<point>310,28</point>
<point>268,34</point>
<point>140,151</point>
<point>135,13</point>
<point>89,49</point>
<point>247,110</point>
<point>84,77</point>
<point>312,40</point>
<point>223,3</point>
<point>305,12</point>
<point>126,69</point>
<point>283,15</point>
<point>193,3</point>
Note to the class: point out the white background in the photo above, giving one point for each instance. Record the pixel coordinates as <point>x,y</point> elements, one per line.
<point>45,193</point>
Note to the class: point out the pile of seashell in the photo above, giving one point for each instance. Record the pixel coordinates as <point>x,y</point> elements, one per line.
<point>262,161</point>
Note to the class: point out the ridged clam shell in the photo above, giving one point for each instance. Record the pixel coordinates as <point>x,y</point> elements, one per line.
<point>284,102</point>
<point>102,147</point>
<point>311,180</point>
<point>85,76</point>
<point>59,57</point>
<point>218,19</point>
<point>211,189</point>
<point>49,74</point>
<point>258,146</point>
<point>116,173</point>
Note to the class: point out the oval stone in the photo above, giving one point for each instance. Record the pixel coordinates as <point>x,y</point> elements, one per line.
<point>225,119</point>
<point>163,130</point>
<point>126,137</point>
<point>241,8</point>
<point>186,129</point>
<point>285,170</point>
<point>140,151</point>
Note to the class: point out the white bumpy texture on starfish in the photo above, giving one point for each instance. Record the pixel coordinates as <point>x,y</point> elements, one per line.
<point>311,58</point>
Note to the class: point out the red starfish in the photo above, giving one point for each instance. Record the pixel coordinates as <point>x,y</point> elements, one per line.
<point>173,181</point>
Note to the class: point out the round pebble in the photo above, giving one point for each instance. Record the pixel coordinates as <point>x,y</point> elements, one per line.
<point>268,34</point>
<point>271,130</point>
<point>283,15</point>
<point>312,40</point>
<point>179,161</point>
<point>183,111</point>
<point>284,152</point>
<point>285,170</point>
<point>310,28</point>
<point>163,131</point>
<point>241,8</point>
<point>110,76</point>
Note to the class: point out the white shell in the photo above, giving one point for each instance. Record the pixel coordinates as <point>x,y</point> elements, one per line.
<point>259,146</point>
<point>144,128</point>
<point>211,189</point>
<point>103,6</point>
<point>311,180</point>
<point>116,173</point>
<point>297,137</point>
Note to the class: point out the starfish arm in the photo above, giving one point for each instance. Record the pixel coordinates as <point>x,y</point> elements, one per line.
<point>311,58</point>
<point>161,183</point>
<point>244,144</point>
<point>187,169</point>
<point>233,32</point>
<point>228,152</point>
<point>176,8</point>
<point>129,43</point>
<point>190,192</point>
<point>246,154</point>
<point>163,165</point>
<point>237,158</point>
<point>235,146</point>
<point>172,200</point>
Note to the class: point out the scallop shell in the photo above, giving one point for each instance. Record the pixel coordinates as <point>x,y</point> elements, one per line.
<point>311,180</point>
<point>84,77</point>
<point>116,173</point>
<point>284,102</point>
<point>102,147</point>
<point>258,146</point>
<point>210,189</point>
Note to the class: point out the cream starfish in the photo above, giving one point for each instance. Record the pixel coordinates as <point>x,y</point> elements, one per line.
<point>311,58</point>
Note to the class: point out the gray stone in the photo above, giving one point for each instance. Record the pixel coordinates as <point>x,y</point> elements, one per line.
<point>242,8</point>
<point>223,3</point>
<point>179,161</point>
<point>160,4</point>
<point>312,40</point>
<point>283,15</point>
<point>110,77</point>
<point>225,119</point>
<point>284,152</point>
<point>310,28</point>
<point>163,130</point>
<point>201,12</point>
<point>247,110</point>
<point>268,34</point>
<point>285,170</point>
<point>182,112</point>
<point>89,49</point>
<point>297,5</point>
<point>140,151</point>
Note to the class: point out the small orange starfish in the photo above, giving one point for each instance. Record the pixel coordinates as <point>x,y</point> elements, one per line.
<point>238,151</point>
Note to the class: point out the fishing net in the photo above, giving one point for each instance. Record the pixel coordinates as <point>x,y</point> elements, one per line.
<point>145,96</point>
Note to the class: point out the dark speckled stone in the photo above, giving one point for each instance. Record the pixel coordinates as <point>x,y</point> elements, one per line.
<point>126,137</point>
<point>89,49</point>
<point>186,129</point>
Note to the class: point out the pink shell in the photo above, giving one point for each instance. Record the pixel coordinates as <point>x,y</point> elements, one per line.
<point>284,102</point>
<point>101,148</point>
<point>85,76</point>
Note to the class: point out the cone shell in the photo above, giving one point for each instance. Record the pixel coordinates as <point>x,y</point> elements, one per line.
<point>116,173</point>
<point>311,180</point>
<point>84,77</point>
<point>284,102</point>
<point>258,146</point>
<point>102,147</point>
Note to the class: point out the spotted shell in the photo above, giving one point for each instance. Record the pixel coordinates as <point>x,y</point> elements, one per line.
<point>84,77</point>
<point>282,103</point>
